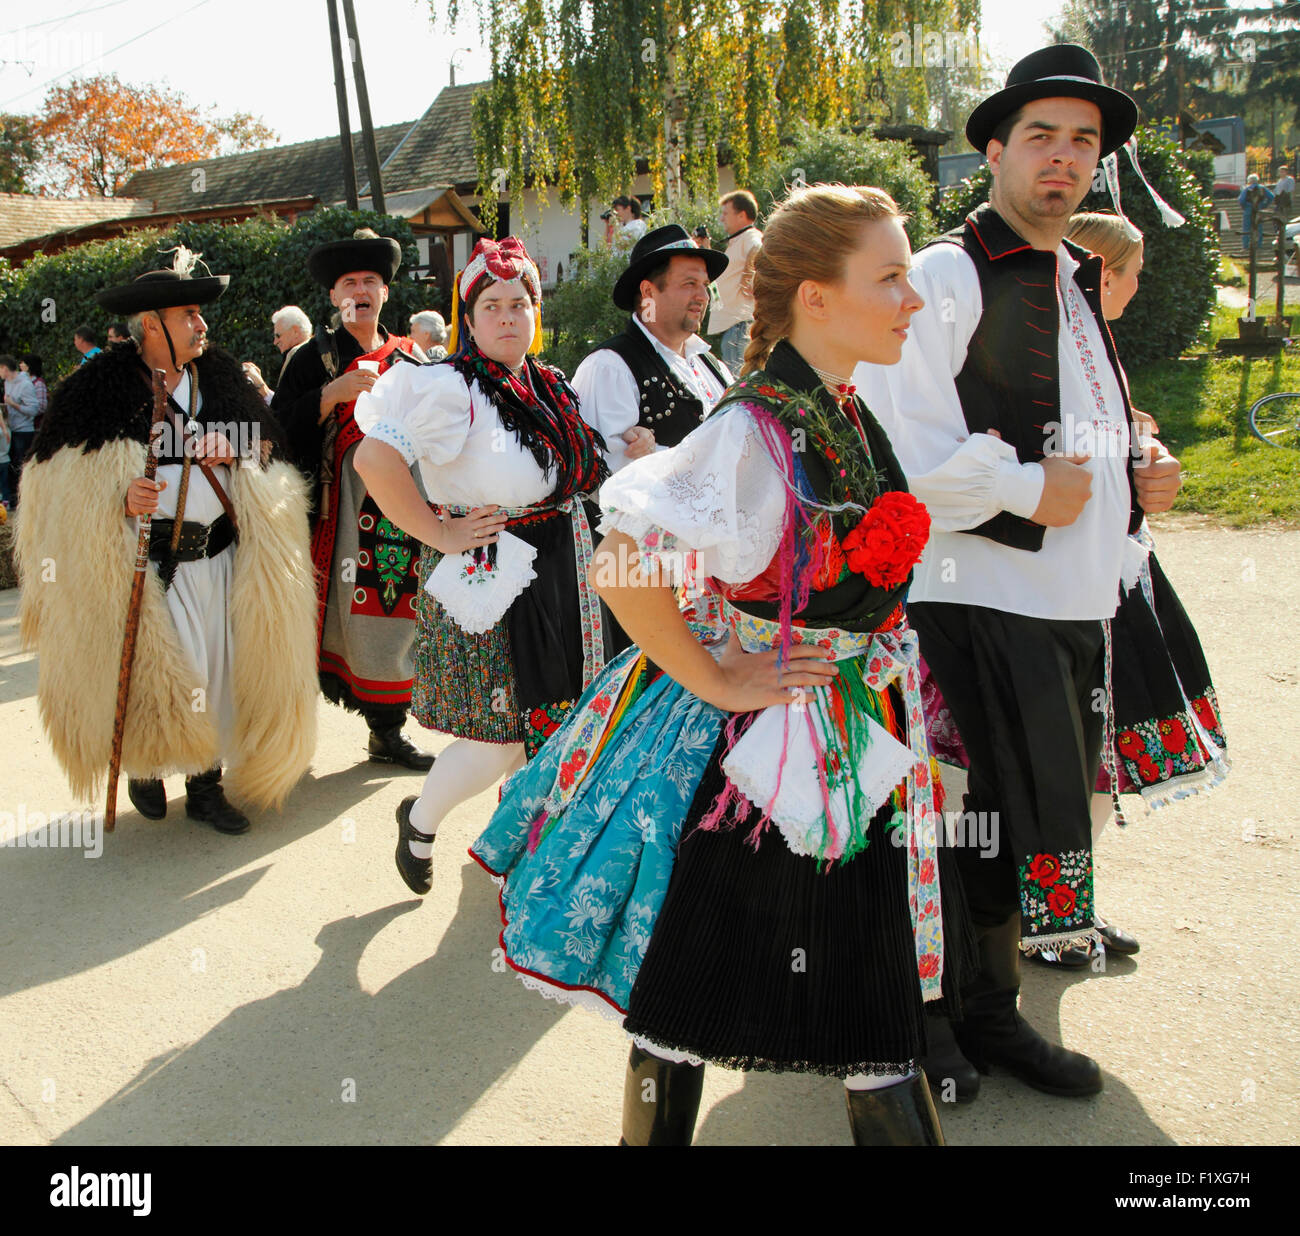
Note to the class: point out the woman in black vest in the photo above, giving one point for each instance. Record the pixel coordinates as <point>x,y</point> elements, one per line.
<point>798,926</point>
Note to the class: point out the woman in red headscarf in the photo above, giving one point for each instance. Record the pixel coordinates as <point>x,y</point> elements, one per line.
<point>510,630</point>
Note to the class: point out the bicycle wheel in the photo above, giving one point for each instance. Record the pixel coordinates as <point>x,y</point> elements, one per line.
<point>1275,419</point>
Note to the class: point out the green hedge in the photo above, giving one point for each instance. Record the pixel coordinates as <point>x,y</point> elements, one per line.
<point>578,313</point>
<point>1177,293</point>
<point>827,156</point>
<point>44,301</point>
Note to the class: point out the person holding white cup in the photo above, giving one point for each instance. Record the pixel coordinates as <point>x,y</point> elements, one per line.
<point>366,564</point>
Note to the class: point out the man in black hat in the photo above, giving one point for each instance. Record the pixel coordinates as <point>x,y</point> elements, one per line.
<point>652,384</point>
<point>366,564</point>
<point>1010,416</point>
<point>223,671</point>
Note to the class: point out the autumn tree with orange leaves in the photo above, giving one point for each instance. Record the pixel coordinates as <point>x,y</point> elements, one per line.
<point>95,132</point>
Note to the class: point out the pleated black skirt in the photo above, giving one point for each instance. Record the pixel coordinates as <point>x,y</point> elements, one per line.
<point>762,959</point>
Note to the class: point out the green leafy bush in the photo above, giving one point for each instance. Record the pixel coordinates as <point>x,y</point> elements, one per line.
<point>827,156</point>
<point>1177,293</point>
<point>579,312</point>
<point>44,301</point>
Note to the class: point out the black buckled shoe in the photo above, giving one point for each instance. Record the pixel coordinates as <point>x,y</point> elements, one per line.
<point>391,746</point>
<point>661,1100</point>
<point>1117,941</point>
<point>950,1073</point>
<point>416,873</point>
<point>899,1115</point>
<point>205,801</point>
<point>149,798</point>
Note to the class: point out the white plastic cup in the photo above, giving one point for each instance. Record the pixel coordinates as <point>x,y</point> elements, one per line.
<point>369,366</point>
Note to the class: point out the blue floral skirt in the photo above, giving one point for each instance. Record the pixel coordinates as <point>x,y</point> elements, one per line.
<point>586,835</point>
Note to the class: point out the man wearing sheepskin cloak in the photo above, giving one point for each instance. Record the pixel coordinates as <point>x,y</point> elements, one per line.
<point>225,666</point>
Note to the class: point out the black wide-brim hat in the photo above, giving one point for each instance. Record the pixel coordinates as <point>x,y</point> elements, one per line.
<point>655,248</point>
<point>1063,70</point>
<point>328,263</point>
<point>161,289</point>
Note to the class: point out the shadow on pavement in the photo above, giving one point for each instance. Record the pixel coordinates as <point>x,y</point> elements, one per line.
<point>152,878</point>
<point>412,1058</point>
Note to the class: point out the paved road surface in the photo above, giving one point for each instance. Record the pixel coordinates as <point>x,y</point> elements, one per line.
<point>283,986</point>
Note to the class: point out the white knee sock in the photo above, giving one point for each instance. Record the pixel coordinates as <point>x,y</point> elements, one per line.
<point>464,769</point>
<point>869,1081</point>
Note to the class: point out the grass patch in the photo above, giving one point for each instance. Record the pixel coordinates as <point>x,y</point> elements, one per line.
<point>1231,274</point>
<point>1202,402</point>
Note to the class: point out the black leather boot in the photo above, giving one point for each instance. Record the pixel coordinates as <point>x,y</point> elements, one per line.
<point>149,798</point>
<point>993,1032</point>
<point>205,801</point>
<point>899,1115</point>
<point>660,1101</point>
<point>391,746</point>
<point>950,1073</point>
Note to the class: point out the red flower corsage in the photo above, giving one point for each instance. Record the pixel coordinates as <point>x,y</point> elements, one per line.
<point>887,543</point>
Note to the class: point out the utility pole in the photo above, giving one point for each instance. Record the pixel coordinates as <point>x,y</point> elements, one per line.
<point>341,95</point>
<point>363,106</point>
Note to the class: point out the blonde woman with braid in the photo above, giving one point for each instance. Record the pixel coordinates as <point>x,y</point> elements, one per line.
<point>1169,739</point>
<point>798,926</point>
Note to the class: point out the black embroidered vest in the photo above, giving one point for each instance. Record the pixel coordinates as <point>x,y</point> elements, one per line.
<point>668,408</point>
<point>1011,379</point>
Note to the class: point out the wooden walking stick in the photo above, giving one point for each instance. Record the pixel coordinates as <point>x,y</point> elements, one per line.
<point>133,609</point>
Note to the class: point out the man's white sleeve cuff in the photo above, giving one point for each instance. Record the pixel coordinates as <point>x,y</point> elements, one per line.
<point>1020,487</point>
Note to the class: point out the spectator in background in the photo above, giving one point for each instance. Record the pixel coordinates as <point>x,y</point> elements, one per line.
<point>1253,199</point>
<point>1282,192</point>
<point>701,237</point>
<point>86,342</point>
<point>631,226</point>
<point>429,332</point>
<point>22,404</point>
<point>117,333</point>
<point>734,310</point>
<point>290,329</point>
<point>4,457</point>
<point>34,368</point>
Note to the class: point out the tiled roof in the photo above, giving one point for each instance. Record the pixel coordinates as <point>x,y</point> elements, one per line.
<point>305,169</point>
<point>24,216</point>
<point>439,150</point>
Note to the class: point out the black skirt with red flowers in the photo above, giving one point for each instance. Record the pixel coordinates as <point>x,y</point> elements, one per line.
<point>1169,738</point>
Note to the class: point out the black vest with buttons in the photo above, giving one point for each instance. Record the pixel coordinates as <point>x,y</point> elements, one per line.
<point>1011,381</point>
<point>667,408</point>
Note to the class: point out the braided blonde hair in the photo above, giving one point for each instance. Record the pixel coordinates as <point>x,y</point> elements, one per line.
<point>809,236</point>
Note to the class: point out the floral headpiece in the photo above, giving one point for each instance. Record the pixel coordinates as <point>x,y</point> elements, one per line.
<point>500,261</point>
